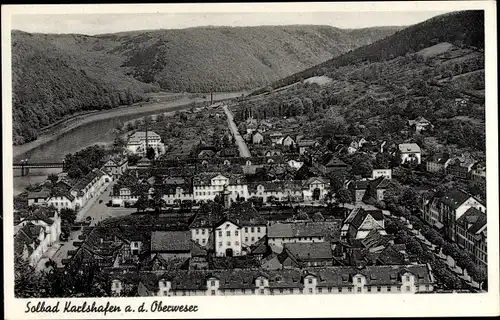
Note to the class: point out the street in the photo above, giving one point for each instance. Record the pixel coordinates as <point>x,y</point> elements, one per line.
<point>242,146</point>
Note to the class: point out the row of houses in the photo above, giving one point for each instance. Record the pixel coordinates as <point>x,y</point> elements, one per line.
<point>462,167</point>
<point>69,193</point>
<point>462,219</point>
<point>409,279</point>
<point>207,186</point>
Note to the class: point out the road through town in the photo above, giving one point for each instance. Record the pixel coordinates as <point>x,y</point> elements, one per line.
<point>242,146</point>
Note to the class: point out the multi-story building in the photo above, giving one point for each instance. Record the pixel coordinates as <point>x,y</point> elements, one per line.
<point>38,198</point>
<point>444,211</point>
<point>461,167</point>
<point>471,235</point>
<point>438,163</point>
<point>115,167</point>
<point>360,222</point>
<point>137,143</point>
<point>410,153</point>
<point>206,186</point>
<point>397,279</point>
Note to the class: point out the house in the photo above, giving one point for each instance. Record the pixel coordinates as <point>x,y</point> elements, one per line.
<point>471,235</point>
<point>328,163</point>
<point>316,188</point>
<point>276,190</point>
<point>360,222</point>
<point>304,145</point>
<point>48,219</point>
<point>61,199</point>
<point>115,167</point>
<point>171,244</point>
<point>461,167</point>
<point>38,198</point>
<point>137,143</point>
<point>358,189</point>
<point>420,124</point>
<point>206,154</point>
<point>296,164</point>
<point>396,279</point>
<point>300,255</point>
<point>257,138</point>
<point>286,141</point>
<point>410,153</point>
<point>479,171</point>
<point>386,173</point>
<point>275,137</point>
<point>31,242</point>
<point>438,162</point>
<point>300,232</point>
<point>207,185</point>
<point>376,189</point>
<point>443,211</point>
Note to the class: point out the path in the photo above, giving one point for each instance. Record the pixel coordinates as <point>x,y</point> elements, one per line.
<point>242,146</point>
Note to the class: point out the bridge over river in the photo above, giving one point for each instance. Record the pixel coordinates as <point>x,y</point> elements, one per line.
<point>25,166</point>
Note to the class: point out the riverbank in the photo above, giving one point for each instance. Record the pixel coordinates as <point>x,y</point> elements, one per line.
<point>147,107</point>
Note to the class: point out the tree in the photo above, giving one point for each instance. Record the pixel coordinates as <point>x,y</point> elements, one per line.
<point>53,178</point>
<point>141,203</point>
<point>337,180</point>
<point>150,153</point>
<point>318,217</point>
<point>68,215</point>
<point>118,143</point>
<point>414,247</point>
<point>343,196</point>
<point>302,216</point>
<point>28,283</point>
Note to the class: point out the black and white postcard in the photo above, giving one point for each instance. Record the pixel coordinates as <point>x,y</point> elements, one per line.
<point>250,160</point>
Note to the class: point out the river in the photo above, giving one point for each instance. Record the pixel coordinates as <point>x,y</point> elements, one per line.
<point>97,128</point>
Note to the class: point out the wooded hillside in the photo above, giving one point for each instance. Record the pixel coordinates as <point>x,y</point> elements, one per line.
<point>58,75</point>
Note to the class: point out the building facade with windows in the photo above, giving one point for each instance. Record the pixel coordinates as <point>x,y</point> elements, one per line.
<point>398,279</point>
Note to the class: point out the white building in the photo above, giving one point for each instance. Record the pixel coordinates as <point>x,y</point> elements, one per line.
<point>410,153</point>
<point>208,186</point>
<point>386,173</point>
<point>137,143</point>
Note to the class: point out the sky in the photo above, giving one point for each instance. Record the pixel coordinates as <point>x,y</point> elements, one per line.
<point>92,24</point>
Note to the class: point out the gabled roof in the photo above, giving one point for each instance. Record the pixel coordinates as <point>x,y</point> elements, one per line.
<point>309,251</point>
<point>409,148</point>
<point>164,241</point>
<point>472,220</point>
<point>455,198</point>
<point>360,215</point>
<point>43,194</point>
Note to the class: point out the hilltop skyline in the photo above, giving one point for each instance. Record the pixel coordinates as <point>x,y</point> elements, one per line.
<point>94,24</point>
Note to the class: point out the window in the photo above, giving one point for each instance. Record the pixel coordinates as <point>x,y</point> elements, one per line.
<point>291,290</point>
<point>359,289</point>
<point>310,290</point>
<point>213,292</point>
<point>197,231</point>
<point>246,239</point>
<point>349,289</point>
<point>220,244</point>
<point>407,278</point>
<point>258,229</point>
<point>281,290</point>
<point>369,289</point>
<point>407,288</point>
<point>203,241</point>
<point>359,280</point>
<point>340,290</point>
<point>237,243</point>
<point>320,290</point>
<point>389,288</point>
<point>212,283</point>
<point>271,291</point>
<point>261,282</point>
<point>310,281</point>
<point>220,233</point>
<point>236,233</point>
<point>246,229</point>
<point>228,233</point>
<point>252,229</point>
<point>202,231</point>
<point>253,239</point>
<point>261,291</point>
<point>330,289</point>
<point>228,243</point>
<point>426,287</point>
<point>379,289</point>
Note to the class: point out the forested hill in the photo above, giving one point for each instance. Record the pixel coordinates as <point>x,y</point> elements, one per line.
<point>463,28</point>
<point>58,75</point>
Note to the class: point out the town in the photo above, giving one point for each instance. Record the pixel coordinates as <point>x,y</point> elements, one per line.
<point>212,201</point>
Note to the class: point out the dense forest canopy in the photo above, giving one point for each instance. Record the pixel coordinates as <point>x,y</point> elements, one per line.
<point>55,76</point>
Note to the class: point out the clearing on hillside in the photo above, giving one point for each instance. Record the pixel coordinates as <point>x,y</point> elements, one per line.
<point>436,50</point>
<point>320,80</point>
